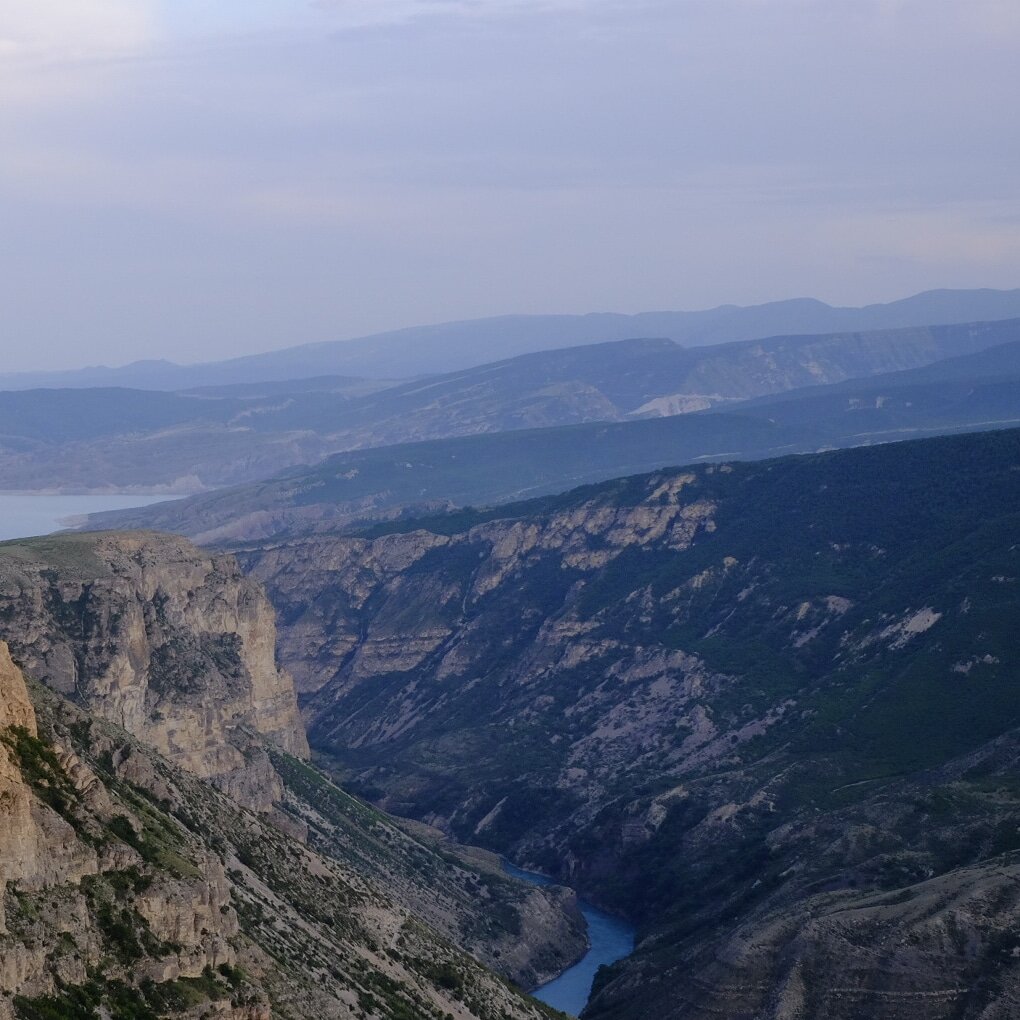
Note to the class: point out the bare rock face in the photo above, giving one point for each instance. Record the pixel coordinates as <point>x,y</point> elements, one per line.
<point>15,707</point>
<point>132,887</point>
<point>171,643</point>
<point>37,847</point>
<point>18,832</point>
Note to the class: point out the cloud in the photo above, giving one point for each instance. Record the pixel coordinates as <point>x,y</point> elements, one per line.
<point>73,29</point>
<point>200,177</point>
<point>52,51</point>
<point>968,236</point>
<point>363,13</point>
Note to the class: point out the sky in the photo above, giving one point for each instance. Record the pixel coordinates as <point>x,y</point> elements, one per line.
<point>196,179</point>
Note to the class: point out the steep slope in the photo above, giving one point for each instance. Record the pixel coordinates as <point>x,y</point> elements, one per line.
<point>132,890</point>
<point>452,346</point>
<point>412,478</point>
<point>178,647</point>
<point>234,439</point>
<point>766,709</point>
<point>524,933</point>
<point>173,644</point>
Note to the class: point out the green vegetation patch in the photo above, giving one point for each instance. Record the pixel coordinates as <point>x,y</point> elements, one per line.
<point>120,1001</point>
<point>42,770</point>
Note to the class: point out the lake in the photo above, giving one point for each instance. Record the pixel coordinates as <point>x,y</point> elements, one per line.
<point>610,938</point>
<point>23,515</point>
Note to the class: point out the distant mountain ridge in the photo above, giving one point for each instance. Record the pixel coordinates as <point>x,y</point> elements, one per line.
<point>451,346</point>
<point>973,392</point>
<point>181,443</point>
<point>95,439</point>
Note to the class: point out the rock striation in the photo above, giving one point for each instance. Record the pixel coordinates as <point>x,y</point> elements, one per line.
<point>132,888</point>
<point>173,644</point>
<point>767,710</point>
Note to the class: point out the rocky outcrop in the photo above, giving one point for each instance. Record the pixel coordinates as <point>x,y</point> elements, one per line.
<point>131,887</point>
<point>15,708</point>
<point>173,644</point>
<point>177,646</point>
<point>323,585</point>
<point>709,698</point>
<point>19,835</point>
<point>38,848</point>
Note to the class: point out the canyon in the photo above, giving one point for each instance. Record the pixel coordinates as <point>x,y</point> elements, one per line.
<point>778,741</point>
<point>166,847</point>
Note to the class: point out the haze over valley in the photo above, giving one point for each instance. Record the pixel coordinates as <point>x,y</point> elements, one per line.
<point>509,511</point>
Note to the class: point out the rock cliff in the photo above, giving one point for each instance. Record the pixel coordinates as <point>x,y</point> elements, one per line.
<point>15,708</point>
<point>173,644</point>
<point>27,851</point>
<point>133,889</point>
<point>177,646</point>
<point>755,707</point>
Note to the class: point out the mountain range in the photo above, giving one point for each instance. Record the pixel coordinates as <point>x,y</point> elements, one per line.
<point>966,393</point>
<point>449,347</point>
<point>101,439</point>
<point>719,634</point>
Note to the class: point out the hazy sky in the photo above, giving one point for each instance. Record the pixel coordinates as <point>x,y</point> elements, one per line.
<point>198,178</point>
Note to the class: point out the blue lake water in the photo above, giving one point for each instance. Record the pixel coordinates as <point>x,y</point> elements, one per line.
<point>610,937</point>
<point>23,515</point>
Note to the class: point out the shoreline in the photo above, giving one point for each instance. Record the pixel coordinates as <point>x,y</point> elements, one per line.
<point>610,938</point>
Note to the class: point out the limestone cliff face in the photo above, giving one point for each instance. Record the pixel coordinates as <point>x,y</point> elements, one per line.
<point>37,847</point>
<point>178,648</point>
<point>50,802</point>
<point>171,643</point>
<point>15,707</point>
<point>353,608</point>
<point>131,887</point>
<point>20,835</point>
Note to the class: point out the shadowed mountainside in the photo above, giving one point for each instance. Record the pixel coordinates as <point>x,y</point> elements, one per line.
<point>766,709</point>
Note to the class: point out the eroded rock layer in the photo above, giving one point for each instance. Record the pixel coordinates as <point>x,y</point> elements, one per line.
<point>132,888</point>
<point>171,643</point>
<point>769,711</point>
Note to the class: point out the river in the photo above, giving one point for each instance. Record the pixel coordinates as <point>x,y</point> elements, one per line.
<point>24,514</point>
<point>610,939</point>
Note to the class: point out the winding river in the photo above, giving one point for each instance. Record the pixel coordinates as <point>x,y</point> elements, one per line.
<point>24,514</point>
<point>610,939</point>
